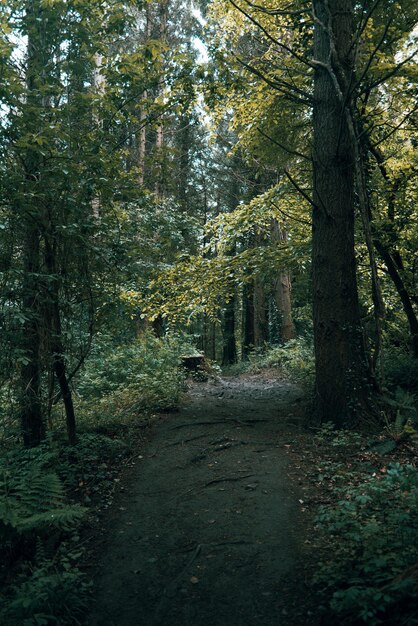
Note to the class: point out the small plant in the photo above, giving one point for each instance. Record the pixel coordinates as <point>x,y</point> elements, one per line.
<point>331,436</point>
<point>404,419</point>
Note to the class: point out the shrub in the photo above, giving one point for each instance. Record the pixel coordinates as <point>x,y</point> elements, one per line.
<point>32,497</point>
<point>48,592</point>
<point>400,369</point>
<point>294,359</point>
<point>125,380</point>
<point>372,536</point>
<point>35,517</point>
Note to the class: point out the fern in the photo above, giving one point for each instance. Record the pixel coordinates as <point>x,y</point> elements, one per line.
<point>34,500</point>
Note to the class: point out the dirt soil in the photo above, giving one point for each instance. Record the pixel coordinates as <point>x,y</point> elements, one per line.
<point>207,528</point>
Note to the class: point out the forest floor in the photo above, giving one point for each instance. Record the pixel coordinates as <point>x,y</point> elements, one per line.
<point>209,523</point>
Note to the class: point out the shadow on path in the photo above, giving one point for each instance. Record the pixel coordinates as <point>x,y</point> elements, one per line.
<point>207,531</point>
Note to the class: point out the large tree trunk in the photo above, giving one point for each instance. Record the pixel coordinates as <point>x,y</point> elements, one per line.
<point>342,375</point>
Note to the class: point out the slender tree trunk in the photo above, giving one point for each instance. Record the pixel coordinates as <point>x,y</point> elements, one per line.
<point>248,320</point>
<point>282,289</point>
<point>390,254</point>
<point>342,375</point>
<point>32,421</point>
<point>229,353</point>
<point>53,315</point>
<point>402,291</point>
<point>159,140</point>
<point>142,134</point>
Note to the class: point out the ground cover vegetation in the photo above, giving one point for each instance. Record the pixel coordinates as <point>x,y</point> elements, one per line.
<point>233,178</point>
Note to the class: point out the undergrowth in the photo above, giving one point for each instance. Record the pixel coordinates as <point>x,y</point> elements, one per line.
<point>368,533</point>
<point>46,492</point>
<point>294,360</point>
<point>122,382</point>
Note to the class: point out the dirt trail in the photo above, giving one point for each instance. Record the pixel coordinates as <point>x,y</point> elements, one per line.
<point>206,531</point>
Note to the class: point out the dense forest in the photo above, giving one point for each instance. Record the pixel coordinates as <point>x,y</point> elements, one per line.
<point>225,183</point>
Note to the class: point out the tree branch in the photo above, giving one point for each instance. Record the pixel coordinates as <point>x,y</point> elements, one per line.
<point>299,189</point>
<point>282,86</point>
<point>270,37</point>
<point>288,150</point>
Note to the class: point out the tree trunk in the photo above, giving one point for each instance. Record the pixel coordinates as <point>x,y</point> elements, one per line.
<point>402,291</point>
<point>282,289</point>
<point>53,316</point>
<point>261,320</point>
<point>248,320</point>
<point>33,426</point>
<point>390,253</point>
<point>159,140</point>
<point>229,353</point>
<point>342,375</point>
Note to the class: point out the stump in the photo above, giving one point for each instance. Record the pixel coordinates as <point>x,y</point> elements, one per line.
<point>193,362</point>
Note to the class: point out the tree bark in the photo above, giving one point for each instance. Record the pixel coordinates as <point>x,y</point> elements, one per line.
<point>248,320</point>
<point>282,289</point>
<point>342,374</point>
<point>229,352</point>
<point>261,321</point>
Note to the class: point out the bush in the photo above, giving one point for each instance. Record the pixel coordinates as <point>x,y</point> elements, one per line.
<point>48,592</point>
<point>372,536</point>
<point>294,359</point>
<point>125,380</point>
<point>401,369</point>
<point>35,517</point>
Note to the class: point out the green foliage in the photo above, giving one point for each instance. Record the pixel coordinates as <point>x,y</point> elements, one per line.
<point>401,369</point>
<point>51,592</point>
<point>331,436</point>
<point>294,359</point>
<point>88,460</point>
<point>372,536</point>
<point>32,497</point>
<point>35,516</point>
<point>127,379</point>
<point>401,419</point>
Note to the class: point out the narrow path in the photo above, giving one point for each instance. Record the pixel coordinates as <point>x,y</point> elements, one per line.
<point>207,531</point>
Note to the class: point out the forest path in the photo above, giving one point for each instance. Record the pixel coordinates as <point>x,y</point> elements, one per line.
<point>207,527</point>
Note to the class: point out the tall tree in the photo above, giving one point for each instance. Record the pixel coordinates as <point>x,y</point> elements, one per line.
<point>342,376</point>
